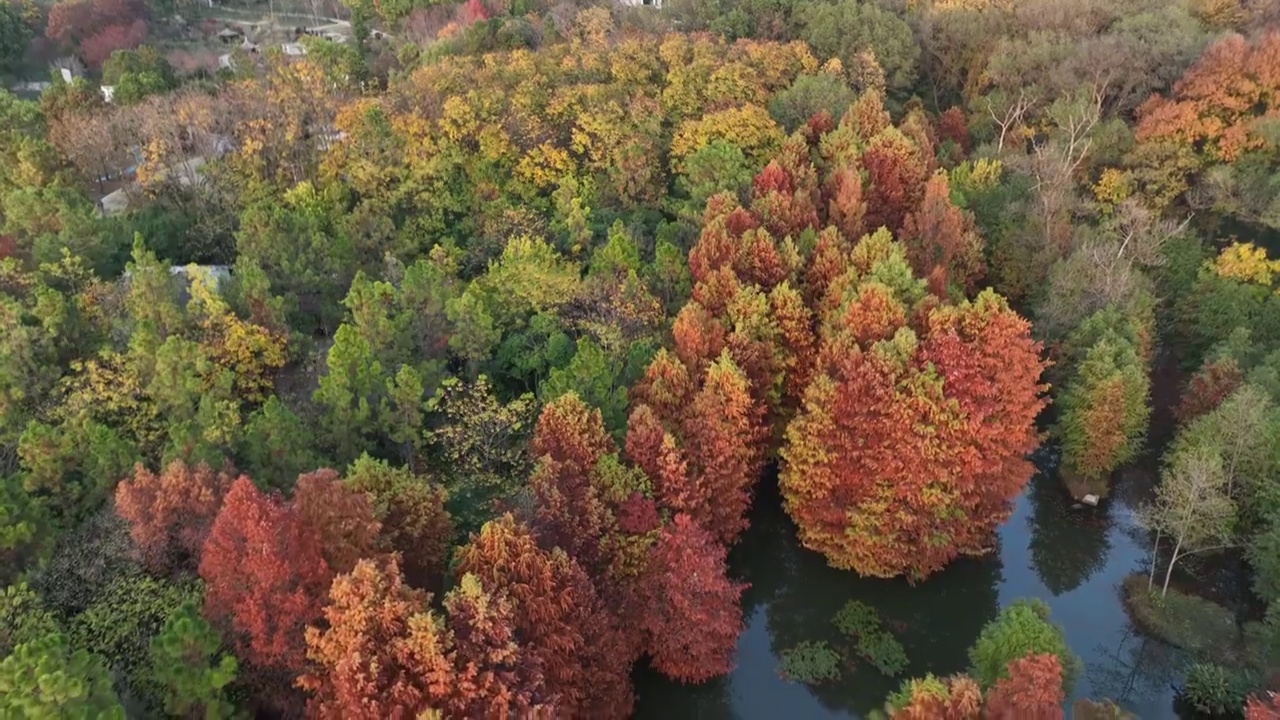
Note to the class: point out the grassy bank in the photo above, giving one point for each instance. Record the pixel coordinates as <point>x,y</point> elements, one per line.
<point>1199,626</point>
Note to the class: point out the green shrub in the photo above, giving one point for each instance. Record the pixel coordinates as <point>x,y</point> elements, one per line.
<point>1215,690</point>
<point>811,662</point>
<point>856,618</point>
<point>1021,629</point>
<point>883,650</point>
<point>23,618</point>
<point>876,645</point>
<point>119,627</point>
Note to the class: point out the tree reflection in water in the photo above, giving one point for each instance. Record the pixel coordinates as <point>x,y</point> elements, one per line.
<point>1137,670</point>
<point>1068,545</point>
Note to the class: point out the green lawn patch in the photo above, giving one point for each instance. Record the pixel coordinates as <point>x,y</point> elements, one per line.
<point>1199,626</point>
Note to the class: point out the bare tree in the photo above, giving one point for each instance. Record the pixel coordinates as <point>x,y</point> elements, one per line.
<point>1132,238</point>
<point>1193,508</point>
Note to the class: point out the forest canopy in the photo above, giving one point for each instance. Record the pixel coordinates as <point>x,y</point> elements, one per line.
<point>436,367</point>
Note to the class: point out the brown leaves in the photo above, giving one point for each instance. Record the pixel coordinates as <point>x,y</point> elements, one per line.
<point>692,617</point>
<point>169,514</point>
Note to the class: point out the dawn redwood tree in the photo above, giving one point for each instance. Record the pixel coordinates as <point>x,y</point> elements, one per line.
<point>381,653</point>
<point>938,423</point>
<point>1212,383</point>
<point>991,367</point>
<point>340,517</point>
<point>1020,630</point>
<point>721,439</point>
<point>1102,414</point>
<point>846,208</point>
<point>560,621</point>
<point>954,698</point>
<point>169,514</point>
<point>691,615</point>
<point>896,179</point>
<point>265,578</point>
<point>1032,689</point>
<point>493,674</point>
<point>568,442</point>
<point>942,242</point>
<point>785,195</point>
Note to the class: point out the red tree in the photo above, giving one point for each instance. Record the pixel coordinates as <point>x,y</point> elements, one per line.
<point>1033,690</point>
<point>471,11</point>
<point>692,617</point>
<point>340,517</point>
<point>991,368</point>
<point>654,450</point>
<point>493,677</point>
<point>785,193</point>
<point>382,654</point>
<point>265,578</point>
<point>846,209</point>
<point>560,622</point>
<point>896,178</point>
<point>941,238</point>
<point>722,444</point>
<point>829,260</point>
<point>96,48</point>
<point>568,442</point>
<point>1264,707</point>
<point>1211,384</point>
<point>908,452</point>
<point>70,21</point>
<point>952,125</point>
<point>665,386</point>
<point>169,514</point>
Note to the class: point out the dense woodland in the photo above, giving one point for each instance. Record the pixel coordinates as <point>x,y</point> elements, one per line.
<point>432,374</point>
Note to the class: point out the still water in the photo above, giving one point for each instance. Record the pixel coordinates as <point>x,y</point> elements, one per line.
<point>1073,559</point>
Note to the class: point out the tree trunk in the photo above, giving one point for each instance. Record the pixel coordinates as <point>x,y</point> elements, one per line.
<point>1169,573</point>
<point>1155,555</point>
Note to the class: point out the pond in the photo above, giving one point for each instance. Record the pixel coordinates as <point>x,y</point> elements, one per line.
<point>1073,559</point>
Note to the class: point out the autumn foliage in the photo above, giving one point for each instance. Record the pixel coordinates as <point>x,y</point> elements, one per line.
<point>953,698</point>
<point>1263,707</point>
<point>265,577</point>
<point>560,621</point>
<point>382,654</point>
<point>881,397</point>
<point>1033,689</point>
<point>341,518</point>
<point>412,515</point>
<point>941,240</point>
<point>1206,390</point>
<point>1216,103</point>
<point>169,514</point>
<point>938,422</point>
<point>692,617</point>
